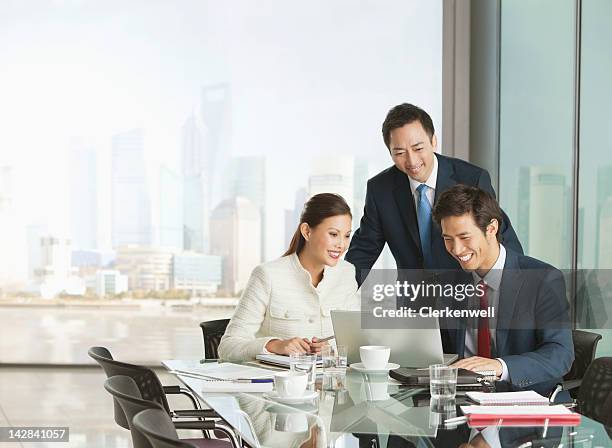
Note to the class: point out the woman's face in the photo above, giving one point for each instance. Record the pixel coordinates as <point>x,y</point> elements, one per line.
<point>328,241</point>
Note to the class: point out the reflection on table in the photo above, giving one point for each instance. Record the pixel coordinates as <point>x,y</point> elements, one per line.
<point>373,410</point>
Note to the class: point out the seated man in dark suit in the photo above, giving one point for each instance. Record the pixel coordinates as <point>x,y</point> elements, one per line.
<point>399,200</point>
<point>527,341</point>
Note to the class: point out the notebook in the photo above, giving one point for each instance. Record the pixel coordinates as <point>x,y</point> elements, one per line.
<point>558,415</point>
<point>526,398</point>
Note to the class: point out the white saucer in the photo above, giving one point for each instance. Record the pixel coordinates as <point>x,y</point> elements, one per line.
<point>308,395</point>
<point>359,367</point>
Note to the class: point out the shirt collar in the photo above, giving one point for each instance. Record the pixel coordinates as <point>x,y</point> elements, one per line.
<point>431,180</point>
<point>494,276</point>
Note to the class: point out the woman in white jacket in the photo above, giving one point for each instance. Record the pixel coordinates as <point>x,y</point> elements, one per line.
<point>286,304</point>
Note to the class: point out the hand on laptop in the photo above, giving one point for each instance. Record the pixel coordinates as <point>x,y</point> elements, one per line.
<point>316,346</point>
<point>288,346</point>
<point>478,364</point>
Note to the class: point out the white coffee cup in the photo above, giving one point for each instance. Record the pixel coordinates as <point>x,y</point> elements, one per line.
<point>290,384</point>
<point>374,357</point>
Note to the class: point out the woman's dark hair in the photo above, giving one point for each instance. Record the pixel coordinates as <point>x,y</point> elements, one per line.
<point>462,199</point>
<point>316,209</point>
<point>403,114</point>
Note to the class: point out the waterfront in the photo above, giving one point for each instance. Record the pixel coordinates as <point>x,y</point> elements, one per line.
<point>140,331</point>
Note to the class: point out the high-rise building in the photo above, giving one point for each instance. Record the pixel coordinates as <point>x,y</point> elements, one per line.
<point>292,217</point>
<point>216,114</point>
<point>248,180</point>
<point>360,182</point>
<point>197,273</point>
<point>110,281</point>
<point>206,150</point>
<point>333,174</point>
<point>34,234</point>
<point>196,201</point>
<point>233,224</point>
<point>82,178</point>
<point>170,209</point>
<point>147,268</point>
<point>131,202</point>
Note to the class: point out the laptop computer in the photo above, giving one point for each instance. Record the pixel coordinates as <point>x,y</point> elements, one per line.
<point>420,346</point>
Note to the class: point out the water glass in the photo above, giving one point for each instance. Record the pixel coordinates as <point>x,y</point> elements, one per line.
<point>334,367</point>
<point>442,381</point>
<point>306,363</point>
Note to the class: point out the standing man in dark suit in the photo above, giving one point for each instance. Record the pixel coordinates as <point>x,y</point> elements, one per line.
<point>399,200</point>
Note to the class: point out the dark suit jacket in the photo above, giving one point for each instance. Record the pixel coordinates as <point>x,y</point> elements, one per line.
<point>533,334</point>
<point>390,217</point>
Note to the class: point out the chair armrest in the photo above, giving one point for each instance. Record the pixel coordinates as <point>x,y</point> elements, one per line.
<point>571,384</point>
<point>212,425</point>
<point>195,424</point>
<point>173,390</point>
<point>204,413</point>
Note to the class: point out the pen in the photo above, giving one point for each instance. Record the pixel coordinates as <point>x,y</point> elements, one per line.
<point>328,338</point>
<point>253,380</point>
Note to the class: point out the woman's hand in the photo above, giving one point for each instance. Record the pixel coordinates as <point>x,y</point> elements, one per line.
<point>288,346</point>
<point>316,346</point>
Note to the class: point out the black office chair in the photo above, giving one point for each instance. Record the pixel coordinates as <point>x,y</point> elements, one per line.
<point>155,425</point>
<point>147,381</point>
<point>585,347</point>
<point>126,392</point>
<point>594,395</point>
<point>212,331</point>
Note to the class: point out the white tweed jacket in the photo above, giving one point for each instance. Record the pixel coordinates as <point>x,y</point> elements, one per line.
<point>279,301</point>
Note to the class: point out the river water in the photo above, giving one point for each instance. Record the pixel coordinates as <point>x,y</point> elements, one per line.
<point>139,334</point>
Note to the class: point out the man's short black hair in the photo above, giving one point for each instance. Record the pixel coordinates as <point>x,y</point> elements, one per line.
<point>462,199</point>
<point>403,114</point>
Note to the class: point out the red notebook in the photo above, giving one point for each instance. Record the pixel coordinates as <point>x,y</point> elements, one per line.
<point>559,415</point>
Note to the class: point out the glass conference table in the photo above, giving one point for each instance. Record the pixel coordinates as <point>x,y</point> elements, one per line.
<point>371,411</point>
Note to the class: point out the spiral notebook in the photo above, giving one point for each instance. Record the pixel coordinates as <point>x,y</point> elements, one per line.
<point>520,398</point>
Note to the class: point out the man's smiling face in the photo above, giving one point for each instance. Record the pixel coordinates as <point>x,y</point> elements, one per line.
<point>412,150</point>
<point>474,249</point>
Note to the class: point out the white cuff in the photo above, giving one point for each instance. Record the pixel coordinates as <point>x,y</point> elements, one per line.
<point>490,434</point>
<point>505,376</point>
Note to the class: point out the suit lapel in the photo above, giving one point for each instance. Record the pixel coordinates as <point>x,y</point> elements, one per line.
<point>446,176</point>
<point>405,205</point>
<point>509,290</point>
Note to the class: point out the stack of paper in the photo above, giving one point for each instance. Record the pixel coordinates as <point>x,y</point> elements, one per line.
<point>527,398</point>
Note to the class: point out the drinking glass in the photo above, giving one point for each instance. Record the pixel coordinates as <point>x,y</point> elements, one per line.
<point>334,367</point>
<point>442,381</point>
<point>307,363</point>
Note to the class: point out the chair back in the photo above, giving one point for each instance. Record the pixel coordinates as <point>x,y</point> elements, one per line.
<point>147,381</point>
<point>125,391</point>
<point>595,390</point>
<point>585,347</point>
<point>157,427</point>
<point>212,331</point>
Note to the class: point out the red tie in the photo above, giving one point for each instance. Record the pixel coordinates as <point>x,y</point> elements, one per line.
<point>484,333</point>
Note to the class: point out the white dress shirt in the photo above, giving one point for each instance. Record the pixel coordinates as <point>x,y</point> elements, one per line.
<point>280,302</point>
<point>493,280</point>
<point>430,182</point>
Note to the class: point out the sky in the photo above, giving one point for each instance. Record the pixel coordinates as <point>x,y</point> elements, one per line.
<point>308,80</point>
